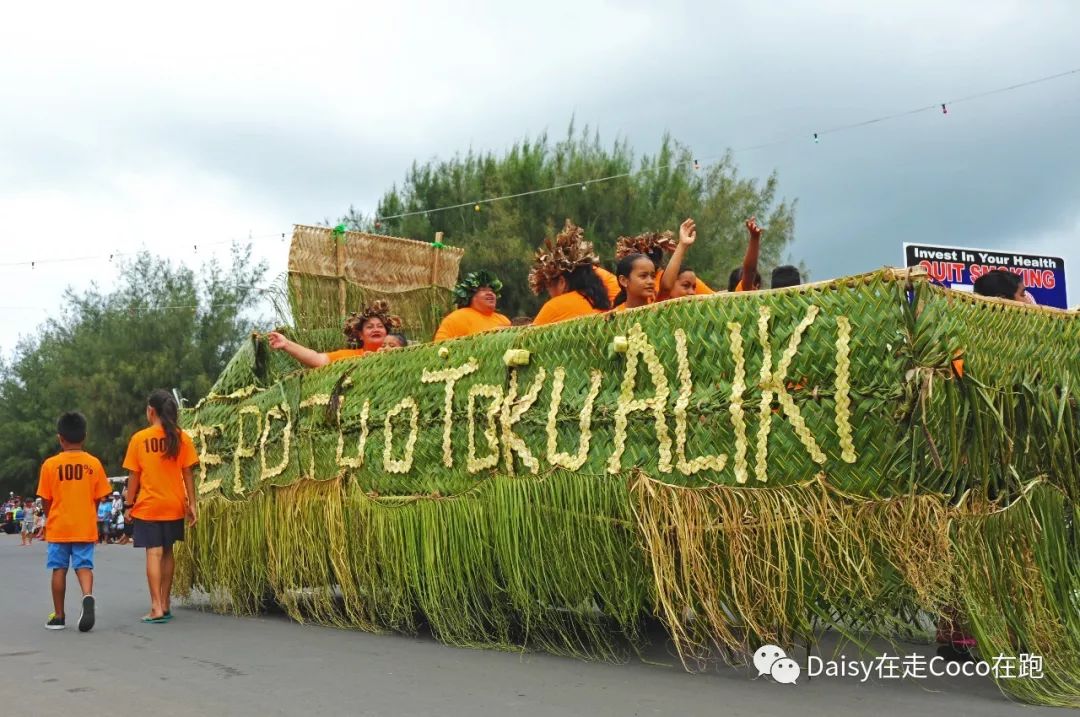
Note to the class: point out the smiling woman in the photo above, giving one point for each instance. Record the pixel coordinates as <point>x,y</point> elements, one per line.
<point>476,296</point>
<point>366,333</point>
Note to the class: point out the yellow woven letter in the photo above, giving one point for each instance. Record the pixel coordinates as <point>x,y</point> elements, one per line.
<point>450,376</point>
<point>775,382</point>
<point>686,387</point>
<point>390,464</point>
<point>243,451</point>
<point>639,346</point>
<point>286,436</point>
<point>513,409</point>
<point>473,463</point>
<point>566,460</point>
<point>358,461</point>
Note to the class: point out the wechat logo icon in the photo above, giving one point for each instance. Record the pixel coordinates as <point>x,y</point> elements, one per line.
<point>773,661</point>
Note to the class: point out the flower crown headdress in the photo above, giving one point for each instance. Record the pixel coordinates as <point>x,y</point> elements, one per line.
<point>379,309</point>
<point>649,244</point>
<point>467,287</point>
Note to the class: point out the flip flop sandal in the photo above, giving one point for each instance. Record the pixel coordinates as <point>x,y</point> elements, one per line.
<point>155,620</point>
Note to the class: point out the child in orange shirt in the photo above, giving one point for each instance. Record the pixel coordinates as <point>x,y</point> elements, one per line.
<point>654,245</point>
<point>637,282</point>
<point>737,281</point>
<point>160,495</point>
<point>678,280</point>
<point>565,269</point>
<point>70,485</point>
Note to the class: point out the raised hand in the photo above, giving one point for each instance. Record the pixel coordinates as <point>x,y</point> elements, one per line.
<point>687,232</point>
<point>753,228</point>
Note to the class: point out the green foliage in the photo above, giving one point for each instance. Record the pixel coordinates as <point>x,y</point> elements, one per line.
<point>662,191</point>
<point>163,326</point>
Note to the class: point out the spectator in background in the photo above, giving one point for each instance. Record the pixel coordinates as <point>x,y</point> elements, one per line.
<point>19,517</point>
<point>40,532</point>
<point>104,517</point>
<point>29,523</point>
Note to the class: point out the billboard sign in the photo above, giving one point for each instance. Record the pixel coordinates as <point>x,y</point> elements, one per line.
<point>957,268</point>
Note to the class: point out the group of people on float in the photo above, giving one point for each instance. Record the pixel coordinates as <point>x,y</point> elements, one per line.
<point>568,269</point>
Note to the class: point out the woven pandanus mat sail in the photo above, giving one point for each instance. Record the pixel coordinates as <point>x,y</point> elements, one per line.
<point>747,467</point>
<point>332,274</point>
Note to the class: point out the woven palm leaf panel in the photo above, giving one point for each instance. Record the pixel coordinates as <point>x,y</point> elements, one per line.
<point>331,275</point>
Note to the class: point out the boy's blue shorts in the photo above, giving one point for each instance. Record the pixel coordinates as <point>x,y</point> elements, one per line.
<point>77,555</point>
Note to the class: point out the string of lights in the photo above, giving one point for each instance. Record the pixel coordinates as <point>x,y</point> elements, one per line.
<point>698,163</point>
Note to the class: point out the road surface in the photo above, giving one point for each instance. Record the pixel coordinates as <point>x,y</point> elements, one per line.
<point>202,663</point>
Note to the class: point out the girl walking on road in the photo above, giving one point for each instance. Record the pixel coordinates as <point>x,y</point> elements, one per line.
<point>160,495</point>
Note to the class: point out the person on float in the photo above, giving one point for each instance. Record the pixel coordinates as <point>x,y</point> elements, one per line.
<point>637,282</point>
<point>565,268</point>
<point>365,331</point>
<point>655,245</point>
<point>679,280</point>
<point>1003,285</point>
<point>749,268</point>
<point>476,297</point>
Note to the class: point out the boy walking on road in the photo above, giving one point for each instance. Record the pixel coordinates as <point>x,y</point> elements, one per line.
<point>71,484</point>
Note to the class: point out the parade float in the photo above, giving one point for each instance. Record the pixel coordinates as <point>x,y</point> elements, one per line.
<point>854,454</point>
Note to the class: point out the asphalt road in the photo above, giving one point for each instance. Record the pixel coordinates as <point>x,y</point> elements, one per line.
<point>202,662</point>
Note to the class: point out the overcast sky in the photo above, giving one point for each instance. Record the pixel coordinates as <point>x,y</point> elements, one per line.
<point>127,125</point>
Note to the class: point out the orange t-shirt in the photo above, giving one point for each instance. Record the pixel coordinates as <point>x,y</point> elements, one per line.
<point>161,480</point>
<point>564,306</point>
<point>344,354</point>
<point>73,482</point>
<point>611,282</point>
<point>740,287</point>
<point>469,321</point>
